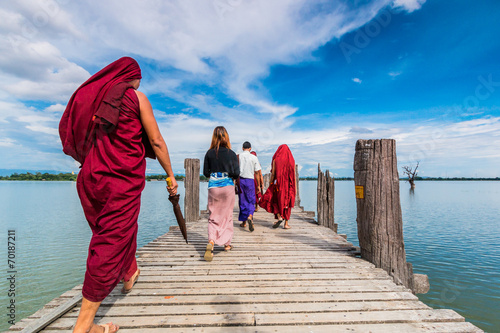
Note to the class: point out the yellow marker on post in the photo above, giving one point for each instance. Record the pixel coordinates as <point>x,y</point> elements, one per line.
<point>360,192</point>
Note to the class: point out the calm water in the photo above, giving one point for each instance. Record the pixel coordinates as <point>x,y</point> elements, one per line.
<point>452,234</point>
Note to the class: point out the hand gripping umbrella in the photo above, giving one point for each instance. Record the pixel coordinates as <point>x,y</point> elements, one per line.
<point>174,199</point>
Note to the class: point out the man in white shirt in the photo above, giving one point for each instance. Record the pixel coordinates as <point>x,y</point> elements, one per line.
<point>249,167</point>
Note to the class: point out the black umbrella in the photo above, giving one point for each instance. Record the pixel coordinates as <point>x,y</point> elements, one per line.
<point>174,199</point>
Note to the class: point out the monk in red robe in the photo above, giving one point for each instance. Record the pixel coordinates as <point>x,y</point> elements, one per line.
<point>279,198</point>
<point>259,185</point>
<point>109,127</point>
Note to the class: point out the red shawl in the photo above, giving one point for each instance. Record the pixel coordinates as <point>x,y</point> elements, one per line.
<point>97,101</point>
<point>280,197</point>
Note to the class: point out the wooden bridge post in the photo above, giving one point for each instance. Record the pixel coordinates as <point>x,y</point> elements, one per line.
<point>267,180</point>
<point>379,218</point>
<point>326,200</point>
<point>192,192</point>
<point>297,195</point>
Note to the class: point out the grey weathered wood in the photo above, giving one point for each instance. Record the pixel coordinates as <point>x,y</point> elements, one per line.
<point>326,200</point>
<point>307,307</point>
<point>297,194</point>
<point>274,280</point>
<point>267,180</point>
<point>42,322</point>
<point>441,327</point>
<point>192,193</point>
<point>379,217</point>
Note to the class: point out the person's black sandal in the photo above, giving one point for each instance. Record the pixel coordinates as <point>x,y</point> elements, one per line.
<point>277,224</point>
<point>250,225</point>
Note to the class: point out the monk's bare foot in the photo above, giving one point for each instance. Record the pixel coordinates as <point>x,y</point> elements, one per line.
<point>128,285</point>
<point>286,226</point>
<point>106,328</point>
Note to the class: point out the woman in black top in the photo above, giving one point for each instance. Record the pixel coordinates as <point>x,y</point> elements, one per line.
<point>221,166</point>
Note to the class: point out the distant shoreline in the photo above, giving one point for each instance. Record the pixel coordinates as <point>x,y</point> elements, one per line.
<point>69,176</point>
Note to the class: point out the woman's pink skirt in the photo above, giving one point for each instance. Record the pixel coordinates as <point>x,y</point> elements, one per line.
<point>220,221</point>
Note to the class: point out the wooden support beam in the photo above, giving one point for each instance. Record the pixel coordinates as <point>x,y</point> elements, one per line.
<point>192,186</point>
<point>379,218</point>
<point>326,199</point>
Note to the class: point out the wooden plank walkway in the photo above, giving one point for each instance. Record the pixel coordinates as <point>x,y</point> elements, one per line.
<point>305,279</point>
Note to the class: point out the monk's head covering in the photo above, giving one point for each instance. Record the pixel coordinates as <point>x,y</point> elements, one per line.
<point>285,166</point>
<point>96,101</point>
<point>284,154</point>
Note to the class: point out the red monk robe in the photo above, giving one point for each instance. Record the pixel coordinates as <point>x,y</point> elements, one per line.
<point>280,196</point>
<point>101,128</point>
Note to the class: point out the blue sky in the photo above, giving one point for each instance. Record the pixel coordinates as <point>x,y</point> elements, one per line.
<point>317,75</point>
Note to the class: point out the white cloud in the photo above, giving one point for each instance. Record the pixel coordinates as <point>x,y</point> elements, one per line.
<point>37,71</point>
<point>7,142</point>
<point>409,5</point>
<point>232,47</point>
<point>56,108</point>
<point>395,74</point>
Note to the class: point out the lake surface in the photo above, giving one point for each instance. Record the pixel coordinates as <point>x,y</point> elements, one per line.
<point>451,230</point>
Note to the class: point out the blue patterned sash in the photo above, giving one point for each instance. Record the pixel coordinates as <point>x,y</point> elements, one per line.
<point>219,179</point>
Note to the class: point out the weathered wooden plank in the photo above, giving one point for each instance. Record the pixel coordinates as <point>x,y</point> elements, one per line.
<point>42,322</point>
<point>238,319</point>
<point>278,279</point>
<point>246,281</point>
<point>248,319</point>
<point>233,259</point>
<point>259,298</point>
<point>306,307</point>
<point>352,286</point>
<point>237,269</point>
<point>372,317</point>
<point>456,327</point>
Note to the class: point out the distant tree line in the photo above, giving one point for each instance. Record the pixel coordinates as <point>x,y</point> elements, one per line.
<point>67,176</point>
<point>316,178</point>
<point>41,176</point>
<point>453,178</point>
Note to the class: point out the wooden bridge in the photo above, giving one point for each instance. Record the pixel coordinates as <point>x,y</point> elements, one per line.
<point>304,279</point>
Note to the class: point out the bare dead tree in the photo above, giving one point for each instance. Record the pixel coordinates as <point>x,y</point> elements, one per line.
<point>411,173</point>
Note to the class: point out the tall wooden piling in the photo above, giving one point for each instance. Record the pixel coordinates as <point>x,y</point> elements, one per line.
<point>192,192</point>
<point>267,180</point>
<point>380,222</point>
<point>297,194</point>
<point>326,199</point>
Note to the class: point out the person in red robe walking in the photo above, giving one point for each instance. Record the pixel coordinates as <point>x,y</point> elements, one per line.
<point>279,198</point>
<point>109,127</point>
